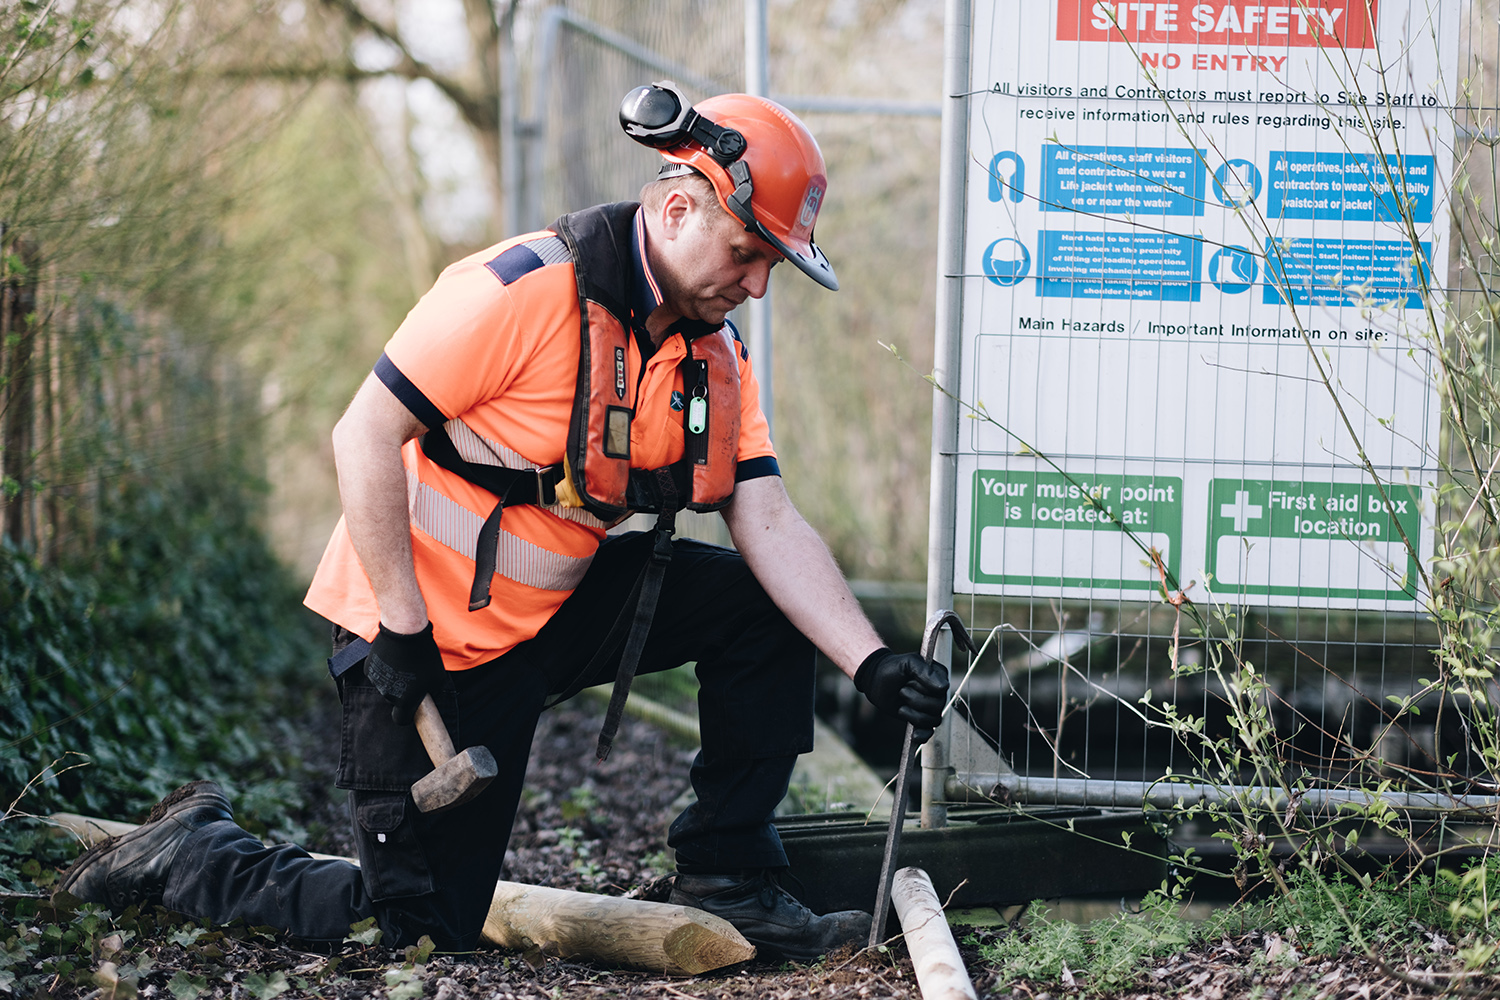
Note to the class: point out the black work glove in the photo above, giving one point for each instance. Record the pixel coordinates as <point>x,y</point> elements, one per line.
<point>403,669</point>
<point>907,687</point>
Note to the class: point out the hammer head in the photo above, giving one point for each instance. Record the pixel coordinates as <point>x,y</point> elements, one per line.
<point>458,780</point>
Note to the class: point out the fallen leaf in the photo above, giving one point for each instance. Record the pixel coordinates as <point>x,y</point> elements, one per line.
<point>110,945</point>
<point>112,985</point>
<point>186,986</point>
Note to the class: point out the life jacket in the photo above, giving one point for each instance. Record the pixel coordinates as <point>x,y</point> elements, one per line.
<point>597,473</point>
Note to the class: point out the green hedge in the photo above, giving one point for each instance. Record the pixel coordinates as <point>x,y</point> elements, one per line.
<point>178,650</point>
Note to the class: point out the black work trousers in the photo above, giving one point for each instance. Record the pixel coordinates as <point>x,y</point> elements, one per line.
<point>434,873</point>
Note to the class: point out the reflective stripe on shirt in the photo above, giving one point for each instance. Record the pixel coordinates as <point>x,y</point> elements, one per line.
<point>475,447</point>
<point>456,527</point>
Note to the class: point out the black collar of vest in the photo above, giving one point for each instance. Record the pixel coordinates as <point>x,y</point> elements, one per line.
<point>692,329</point>
<point>599,239</point>
<point>605,259</point>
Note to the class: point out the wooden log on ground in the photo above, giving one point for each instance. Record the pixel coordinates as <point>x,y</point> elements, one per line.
<point>934,954</point>
<point>657,937</point>
<point>661,716</point>
<point>677,940</point>
<point>832,773</point>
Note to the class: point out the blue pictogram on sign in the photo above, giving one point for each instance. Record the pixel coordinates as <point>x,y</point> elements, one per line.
<point>1007,262</point>
<point>1233,270</point>
<point>1237,183</point>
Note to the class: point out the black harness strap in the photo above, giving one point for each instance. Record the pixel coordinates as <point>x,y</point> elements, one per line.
<point>512,486</point>
<point>357,649</point>
<point>649,587</point>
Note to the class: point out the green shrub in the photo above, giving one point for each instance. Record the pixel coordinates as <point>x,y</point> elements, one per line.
<point>179,651</point>
<point>1334,912</point>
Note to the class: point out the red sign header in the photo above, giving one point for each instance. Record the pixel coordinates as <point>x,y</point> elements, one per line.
<point>1277,24</point>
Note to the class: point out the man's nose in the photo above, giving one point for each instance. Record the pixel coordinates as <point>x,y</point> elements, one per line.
<point>756,279</point>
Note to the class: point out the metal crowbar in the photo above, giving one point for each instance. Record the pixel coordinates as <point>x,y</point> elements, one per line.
<point>898,807</point>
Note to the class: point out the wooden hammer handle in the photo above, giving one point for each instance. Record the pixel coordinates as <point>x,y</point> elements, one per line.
<point>434,732</point>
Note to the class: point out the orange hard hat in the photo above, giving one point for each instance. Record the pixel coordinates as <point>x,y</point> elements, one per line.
<point>763,163</point>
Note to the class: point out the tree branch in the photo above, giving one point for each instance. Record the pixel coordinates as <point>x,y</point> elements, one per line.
<point>480,111</point>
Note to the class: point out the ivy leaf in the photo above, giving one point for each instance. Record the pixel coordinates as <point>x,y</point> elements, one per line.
<point>266,987</point>
<point>185,986</point>
<point>419,953</point>
<point>112,985</point>
<point>15,951</point>
<point>404,984</point>
<point>328,969</point>
<point>185,935</point>
<point>364,932</point>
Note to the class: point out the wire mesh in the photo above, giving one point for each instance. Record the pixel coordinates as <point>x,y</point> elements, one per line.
<point>578,78</point>
<point>1061,691</point>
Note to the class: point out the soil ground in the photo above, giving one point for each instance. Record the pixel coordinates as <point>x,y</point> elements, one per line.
<point>601,828</point>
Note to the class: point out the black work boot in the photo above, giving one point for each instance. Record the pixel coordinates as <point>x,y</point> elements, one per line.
<point>769,917</point>
<point>132,869</point>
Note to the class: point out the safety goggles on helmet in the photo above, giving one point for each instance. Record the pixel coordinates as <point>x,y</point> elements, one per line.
<point>743,128</point>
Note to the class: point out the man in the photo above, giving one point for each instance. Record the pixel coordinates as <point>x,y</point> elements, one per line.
<point>539,392</point>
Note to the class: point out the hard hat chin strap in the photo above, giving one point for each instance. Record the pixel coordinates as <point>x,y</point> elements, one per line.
<point>739,200</point>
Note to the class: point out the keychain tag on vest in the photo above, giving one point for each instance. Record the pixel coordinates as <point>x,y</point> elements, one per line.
<point>697,414</point>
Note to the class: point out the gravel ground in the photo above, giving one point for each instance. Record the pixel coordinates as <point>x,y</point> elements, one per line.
<point>620,810</point>
<point>602,828</point>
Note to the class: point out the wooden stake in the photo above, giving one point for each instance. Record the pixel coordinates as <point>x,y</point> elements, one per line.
<point>934,954</point>
<point>658,937</point>
<point>677,940</point>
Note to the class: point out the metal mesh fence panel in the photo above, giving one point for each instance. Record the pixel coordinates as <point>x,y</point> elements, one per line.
<point>1068,682</point>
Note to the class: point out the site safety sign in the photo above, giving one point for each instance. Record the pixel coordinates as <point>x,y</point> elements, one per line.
<point>1184,222</point>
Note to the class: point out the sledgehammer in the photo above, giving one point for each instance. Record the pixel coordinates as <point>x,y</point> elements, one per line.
<point>457,777</point>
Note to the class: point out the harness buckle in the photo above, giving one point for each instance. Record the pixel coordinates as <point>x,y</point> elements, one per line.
<point>546,487</point>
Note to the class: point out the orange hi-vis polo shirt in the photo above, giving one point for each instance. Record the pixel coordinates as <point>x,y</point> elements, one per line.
<point>491,353</point>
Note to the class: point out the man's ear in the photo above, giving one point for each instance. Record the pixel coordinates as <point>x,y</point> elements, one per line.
<point>676,212</point>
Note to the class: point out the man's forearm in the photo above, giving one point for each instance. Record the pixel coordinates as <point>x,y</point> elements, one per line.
<point>799,573</point>
<point>372,485</point>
